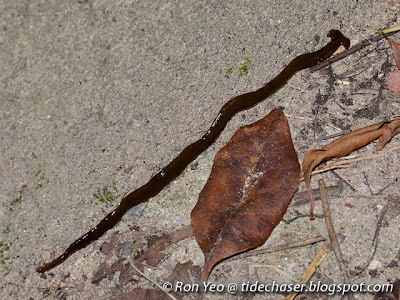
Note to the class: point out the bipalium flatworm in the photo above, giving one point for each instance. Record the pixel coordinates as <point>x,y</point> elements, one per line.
<point>191,152</point>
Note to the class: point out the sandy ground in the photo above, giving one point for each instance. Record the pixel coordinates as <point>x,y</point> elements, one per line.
<point>96,96</point>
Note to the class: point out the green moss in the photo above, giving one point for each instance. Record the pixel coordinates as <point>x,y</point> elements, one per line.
<point>106,196</point>
<point>243,70</point>
<point>4,248</point>
<point>41,179</point>
<point>16,201</point>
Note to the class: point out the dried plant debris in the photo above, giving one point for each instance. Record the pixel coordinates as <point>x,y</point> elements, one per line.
<point>156,244</point>
<point>396,52</point>
<point>107,271</point>
<point>150,255</point>
<point>252,182</point>
<point>394,78</point>
<point>185,272</point>
<point>347,144</point>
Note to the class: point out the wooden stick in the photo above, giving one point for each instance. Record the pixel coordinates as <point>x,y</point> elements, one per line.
<point>332,235</point>
<point>313,240</point>
<point>375,240</point>
<point>344,181</point>
<point>327,137</point>
<point>322,253</point>
<point>148,278</point>
<point>345,53</point>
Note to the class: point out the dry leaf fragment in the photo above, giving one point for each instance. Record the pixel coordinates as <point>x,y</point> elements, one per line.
<point>252,182</point>
<point>393,83</point>
<point>396,52</point>
<point>394,78</point>
<point>347,144</point>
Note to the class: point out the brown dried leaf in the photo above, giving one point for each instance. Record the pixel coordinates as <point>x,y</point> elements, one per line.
<point>394,78</point>
<point>252,182</point>
<point>112,244</point>
<point>107,271</point>
<point>347,144</point>
<point>156,244</point>
<point>396,51</point>
<point>393,83</point>
<point>184,272</point>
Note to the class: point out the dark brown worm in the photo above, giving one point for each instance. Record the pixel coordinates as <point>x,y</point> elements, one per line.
<point>191,152</point>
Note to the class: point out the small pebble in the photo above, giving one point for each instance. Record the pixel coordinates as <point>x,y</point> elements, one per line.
<point>374,264</point>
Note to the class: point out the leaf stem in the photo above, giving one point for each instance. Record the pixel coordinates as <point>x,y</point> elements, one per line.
<point>388,30</point>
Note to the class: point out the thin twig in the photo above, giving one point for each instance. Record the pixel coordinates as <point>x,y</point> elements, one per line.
<point>330,167</point>
<point>149,279</point>
<point>322,253</point>
<point>343,180</point>
<point>340,105</point>
<point>296,218</point>
<point>381,190</point>
<point>367,183</point>
<point>276,269</point>
<point>332,191</point>
<point>302,216</point>
<point>375,240</point>
<point>297,244</point>
<point>349,51</point>
<point>333,126</point>
<point>332,235</point>
<point>379,225</point>
<point>327,137</point>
